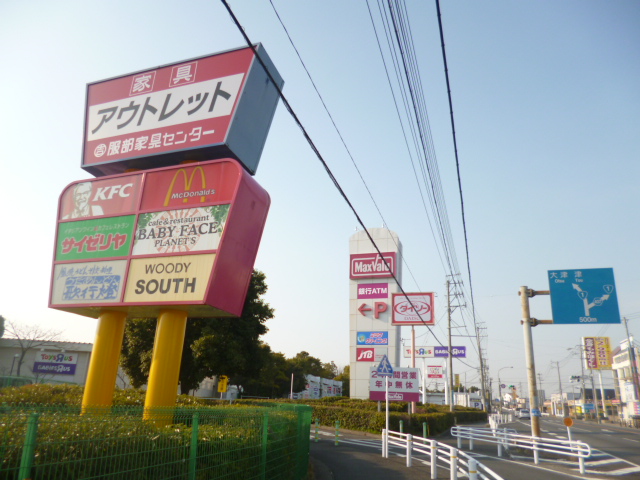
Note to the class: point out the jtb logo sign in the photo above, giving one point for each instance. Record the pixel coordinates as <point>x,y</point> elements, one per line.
<point>365,355</point>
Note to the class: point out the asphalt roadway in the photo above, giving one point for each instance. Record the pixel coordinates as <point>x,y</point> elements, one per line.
<point>358,456</point>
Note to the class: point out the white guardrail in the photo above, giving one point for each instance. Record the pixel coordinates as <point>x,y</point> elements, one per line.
<point>438,453</point>
<point>506,438</point>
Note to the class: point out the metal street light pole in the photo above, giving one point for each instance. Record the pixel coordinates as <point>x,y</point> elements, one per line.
<point>500,387</point>
<point>12,362</point>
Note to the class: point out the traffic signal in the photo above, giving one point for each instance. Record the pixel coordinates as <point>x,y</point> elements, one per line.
<point>223,381</point>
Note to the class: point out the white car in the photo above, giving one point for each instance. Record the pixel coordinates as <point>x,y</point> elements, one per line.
<point>524,413</point>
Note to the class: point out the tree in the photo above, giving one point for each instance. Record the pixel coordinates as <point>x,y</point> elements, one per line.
<point>213,346</point>
<point>274,378</point>
<point>1,326</point>
<point>30,337</point>
<point>345,377</point>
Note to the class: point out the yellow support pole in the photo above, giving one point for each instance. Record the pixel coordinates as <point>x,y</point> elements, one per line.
<point>165,365</point>
<point>103,366</point>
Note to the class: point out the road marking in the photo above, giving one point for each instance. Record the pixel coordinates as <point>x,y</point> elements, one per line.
<point>631,440</point>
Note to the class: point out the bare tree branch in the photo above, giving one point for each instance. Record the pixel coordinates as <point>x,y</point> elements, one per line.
<point>31,336</point>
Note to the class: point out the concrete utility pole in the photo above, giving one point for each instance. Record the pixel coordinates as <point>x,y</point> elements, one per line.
<point>527,322</point>
<point>632,359</point>
<point>450,355</point>
<point>561,395</point>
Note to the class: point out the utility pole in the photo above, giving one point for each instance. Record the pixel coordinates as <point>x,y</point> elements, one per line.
<point>450,309</point>
<point>450,354</point>
<point>527,323</point>
<point>632,359</point>
<point>561,395</point>
<point>482,372</point>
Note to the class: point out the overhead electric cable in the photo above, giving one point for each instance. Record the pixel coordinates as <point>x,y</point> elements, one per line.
<point>319,156</point>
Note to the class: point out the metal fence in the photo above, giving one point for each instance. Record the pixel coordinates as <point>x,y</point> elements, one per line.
<point>56,442</point>
<point>437,455</point>
<point>508,438</point>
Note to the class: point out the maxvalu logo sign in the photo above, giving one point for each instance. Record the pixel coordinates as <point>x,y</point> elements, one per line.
<point>372,265</point>
<point>172,236</point>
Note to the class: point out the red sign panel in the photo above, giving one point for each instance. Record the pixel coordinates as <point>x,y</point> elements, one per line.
<point>372,265</point>
<point>180,112</point>
<point>182,236</point>
<point>108,196</point>
<point>365,354</point>
<point>190,186</point>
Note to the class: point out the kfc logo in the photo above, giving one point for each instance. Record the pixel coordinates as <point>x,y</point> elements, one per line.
<point>365,355</point>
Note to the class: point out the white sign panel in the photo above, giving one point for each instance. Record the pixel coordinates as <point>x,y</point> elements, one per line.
<point>421,352</point>
<point>413,309</point>
<point>162,109</point>
<point>189,230</point>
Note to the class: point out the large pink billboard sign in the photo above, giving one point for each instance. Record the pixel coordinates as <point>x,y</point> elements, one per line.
<point>404,385</point>
<point>193,110</point>
<point>179,236</point>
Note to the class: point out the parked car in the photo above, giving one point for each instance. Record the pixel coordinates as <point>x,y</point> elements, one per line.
<point>524,413</point>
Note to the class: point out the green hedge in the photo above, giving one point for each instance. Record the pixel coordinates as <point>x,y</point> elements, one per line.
<point>363,415</point>
<point>118,443</point>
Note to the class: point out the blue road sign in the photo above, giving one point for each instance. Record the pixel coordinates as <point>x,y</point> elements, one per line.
<point>583,296</point>
<point>384,368</point>
<point>536,412</point>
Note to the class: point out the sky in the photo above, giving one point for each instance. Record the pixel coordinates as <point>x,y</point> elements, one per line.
<point>546,104</point>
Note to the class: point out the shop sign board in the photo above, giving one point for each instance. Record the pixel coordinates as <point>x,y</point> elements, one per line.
<point>420,352</point>
<point>455,352</point>
<point>403,385</point>
<point>373,290</point>
<point>203,108</point>
<point>413,309</point>
<point>434,371</point>
<point>372,265</point>
<point>597,353</point>
<point>183,236</point>
<point>372,338</point>
<point>55,363</point>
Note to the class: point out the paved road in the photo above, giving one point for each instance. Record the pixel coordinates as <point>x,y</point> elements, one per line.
<point>358,456</point>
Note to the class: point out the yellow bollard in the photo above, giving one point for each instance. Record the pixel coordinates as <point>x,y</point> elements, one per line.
<point>165,366</point>
<point>103,366</point>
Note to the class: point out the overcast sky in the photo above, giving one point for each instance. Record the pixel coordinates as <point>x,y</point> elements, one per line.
<point>546,104</point>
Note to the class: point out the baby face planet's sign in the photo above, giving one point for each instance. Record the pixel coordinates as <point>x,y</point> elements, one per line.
<point>180,236</point>
<point>205,107</point>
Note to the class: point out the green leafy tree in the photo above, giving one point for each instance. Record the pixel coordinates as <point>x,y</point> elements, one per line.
<point>345,377</point>
<point>274,378</point>
<point>213,346</point>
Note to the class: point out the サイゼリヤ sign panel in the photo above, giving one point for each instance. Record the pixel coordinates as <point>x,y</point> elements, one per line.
<point>201,108</point>
<point>189,238</point>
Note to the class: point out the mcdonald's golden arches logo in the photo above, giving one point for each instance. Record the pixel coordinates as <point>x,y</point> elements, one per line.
<point>188,193</point>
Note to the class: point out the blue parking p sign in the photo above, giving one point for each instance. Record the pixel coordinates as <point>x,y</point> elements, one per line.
<point>584,296</point>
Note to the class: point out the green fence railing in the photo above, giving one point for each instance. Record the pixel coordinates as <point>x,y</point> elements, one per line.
<point>57,442</point>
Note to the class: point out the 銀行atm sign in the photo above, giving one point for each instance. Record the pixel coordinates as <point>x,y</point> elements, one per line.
<point>180,236</point>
